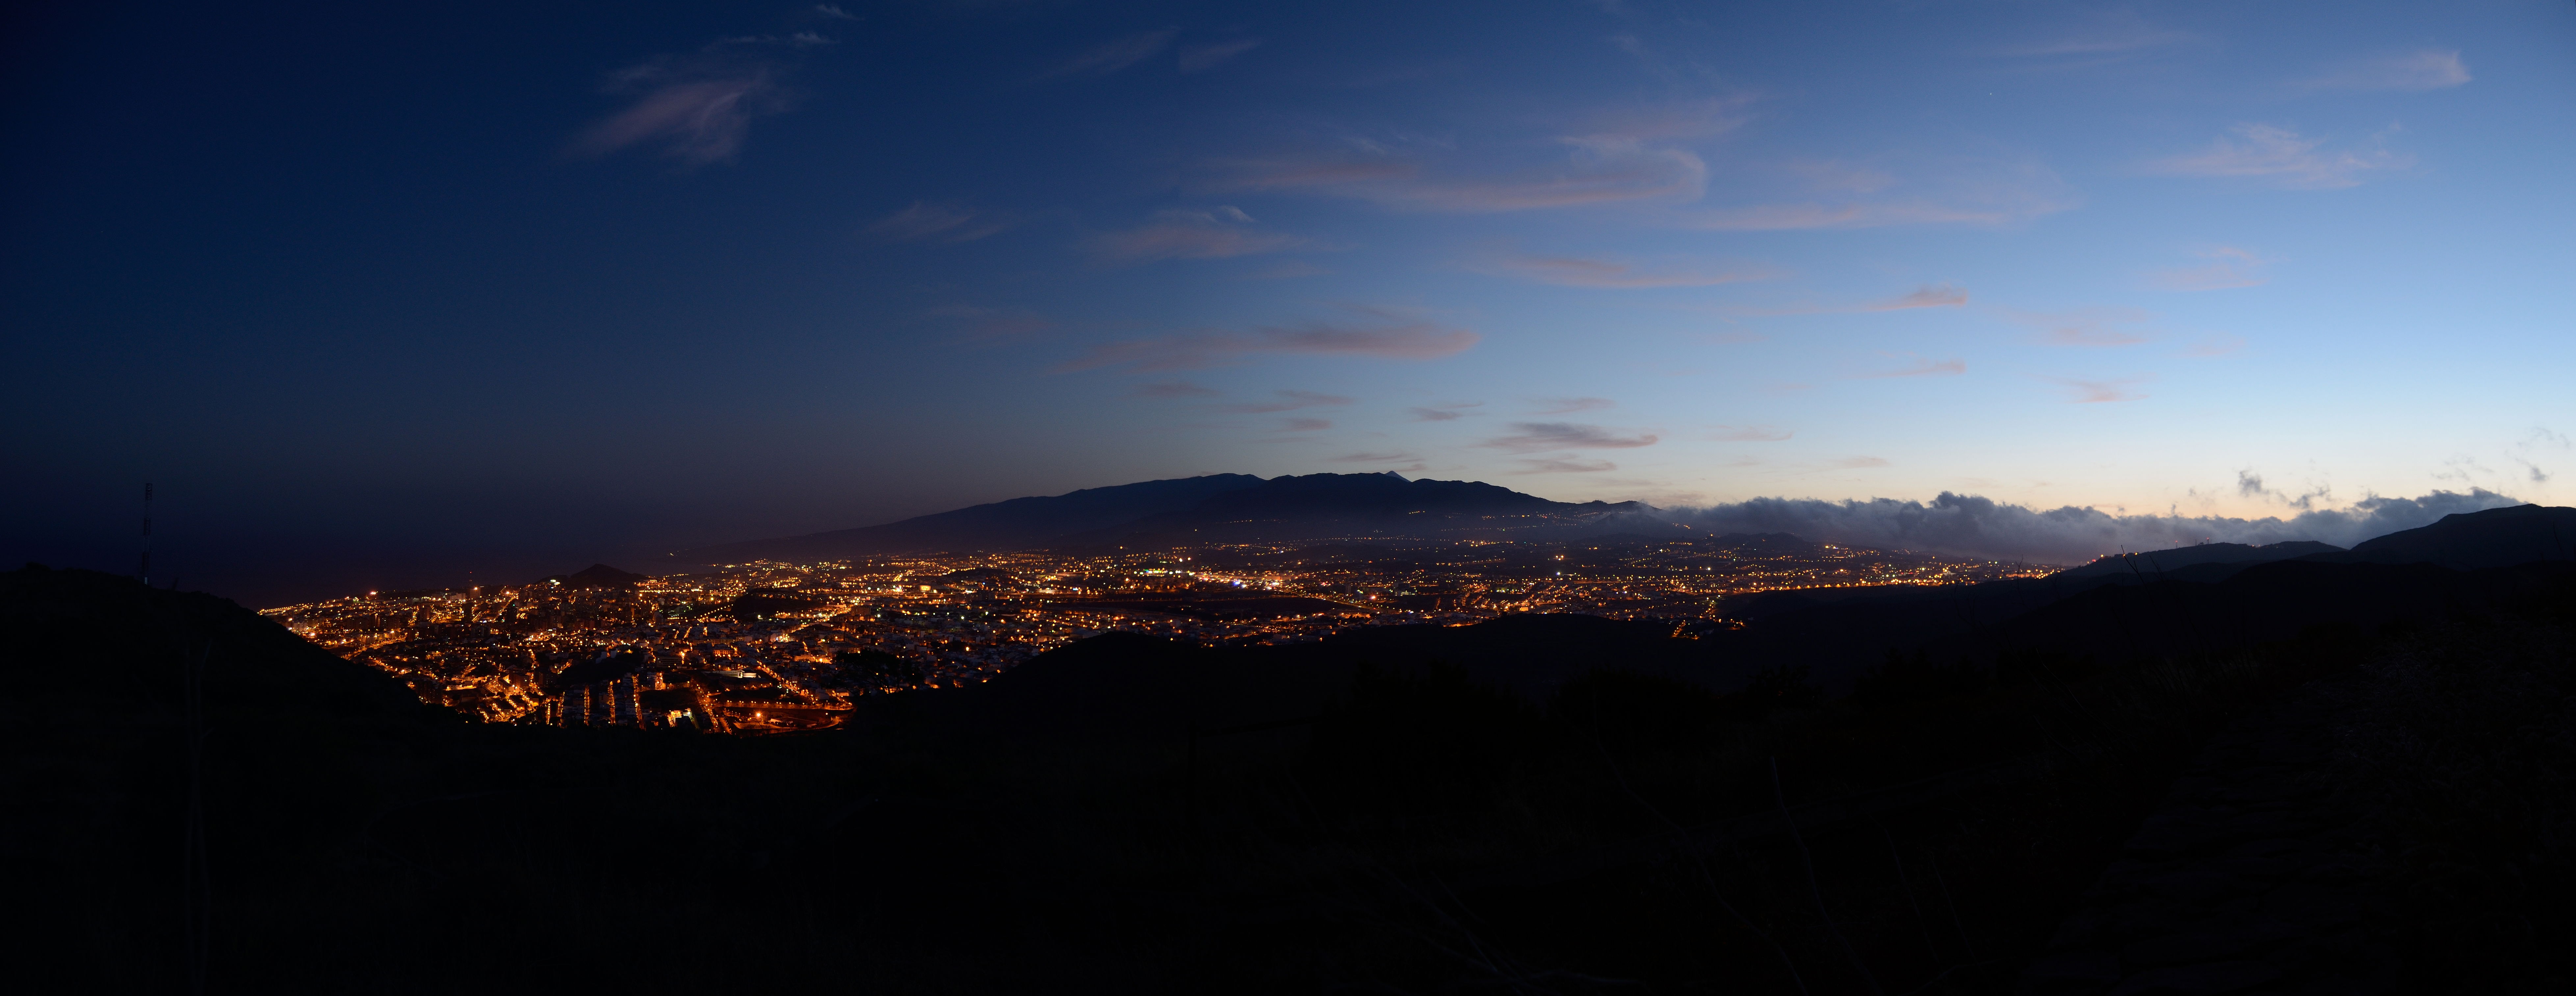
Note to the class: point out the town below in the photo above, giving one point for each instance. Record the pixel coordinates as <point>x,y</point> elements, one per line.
<point>771,647</point>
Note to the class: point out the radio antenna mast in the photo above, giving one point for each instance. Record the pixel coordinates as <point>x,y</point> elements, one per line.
<point>143,571</point>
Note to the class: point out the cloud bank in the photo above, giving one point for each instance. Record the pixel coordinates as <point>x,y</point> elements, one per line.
<point>1970,526</point>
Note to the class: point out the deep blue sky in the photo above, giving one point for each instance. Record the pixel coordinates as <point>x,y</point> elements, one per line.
<point>378,295</point>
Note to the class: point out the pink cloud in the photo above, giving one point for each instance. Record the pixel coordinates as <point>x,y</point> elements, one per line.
<point>1927,296</point>
<point>2429,69</point>
<point>1605,168</point>
<point>1218,234</point>
<point>1173,389</point>
<point>1112,56</point>
<point>1533,436</point>
<point>2230,268</point>
<point>1918,367</point>
<point>1411,461</point>
<point>2097,327</point>
<point>2282,156</point>
<point>697,122</point>
<point>1290,401</point>
<point>1445,412</point>
<point>1565,271</point>
<point>2094,392</point>
<point>2216,345</point>
<point>1418,340</point>
<point>927,222</point>
<point>1201,58</point>
<point>978,322</point>
<point>1564,465</point>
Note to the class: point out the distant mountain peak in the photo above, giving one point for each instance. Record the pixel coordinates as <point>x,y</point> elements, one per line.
<point>1214,508</point>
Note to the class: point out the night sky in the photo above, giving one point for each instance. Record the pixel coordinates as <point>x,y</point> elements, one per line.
<point>380,295</point>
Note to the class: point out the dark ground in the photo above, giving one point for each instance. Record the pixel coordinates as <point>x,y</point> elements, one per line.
<point>1563,804</point>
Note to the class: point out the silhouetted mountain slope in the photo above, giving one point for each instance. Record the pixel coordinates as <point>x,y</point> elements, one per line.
<point>1325,505</point>
<point>1221,507</point>
<point>2125,615</point>
<point>351,833</point>
<point>2497,537</point>
<point>2157,562</point>
<point>2267,602</point>
<point>1124,686</point>
<point>75,634</point>
<point>1013,524</point>
<point>1836,635</point>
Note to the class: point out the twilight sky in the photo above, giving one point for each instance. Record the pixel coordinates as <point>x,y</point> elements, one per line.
<point>378,295</point>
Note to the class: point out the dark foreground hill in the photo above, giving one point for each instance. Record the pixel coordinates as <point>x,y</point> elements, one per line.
<point>2160,562</point>
<point>1215,508</point>
<point>2497,537</point>
<point>1540,804</point>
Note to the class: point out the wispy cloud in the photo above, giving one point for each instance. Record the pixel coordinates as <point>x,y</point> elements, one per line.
<point>1173,389</point>
<point>1530,437</point>
<point>1112,56</point>
<point>1750,434</point>
<point>2228,267</point>
<point>1840,177</point>
<point>1221,233</point>
<point>1616,158</point>
<point>924,221</point>
<point>2094,392</point>
<point>1800,217</point>
<point>2087,326</point>
<point>1443,412</point>
<point>1567,271</point>
<point>980,322</point>
<point>1567,406</point>
<point>1202,57</point>
<point>1288,270</point>
<point>698,107</point>
<point>1597,172</point>
<point>834,11</point>
<point>1962,192</point>
<point>2110,34</point>
<point>1290,401</point>
<point>1564,465</point>
<point>1927,296</point>
<point>1306,425</point>
<point>2429,69</point>
<point>1918,366</point>
<point>1404,458</point>
<point>1395,340</point>
<point>2281,156</point>
<point>2216,345</point>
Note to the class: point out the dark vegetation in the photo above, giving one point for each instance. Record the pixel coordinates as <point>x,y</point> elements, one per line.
<point>1544,804</point>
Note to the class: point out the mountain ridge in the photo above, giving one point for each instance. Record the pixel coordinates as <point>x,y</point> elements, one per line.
<point>1210,508</point>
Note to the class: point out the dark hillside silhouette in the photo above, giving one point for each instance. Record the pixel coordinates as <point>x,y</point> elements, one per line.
<point>2497,537</point>
<point>1219,507</point>
<point>1579,798</point>
<point>1013,524</point>
<point>2158,562</point>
